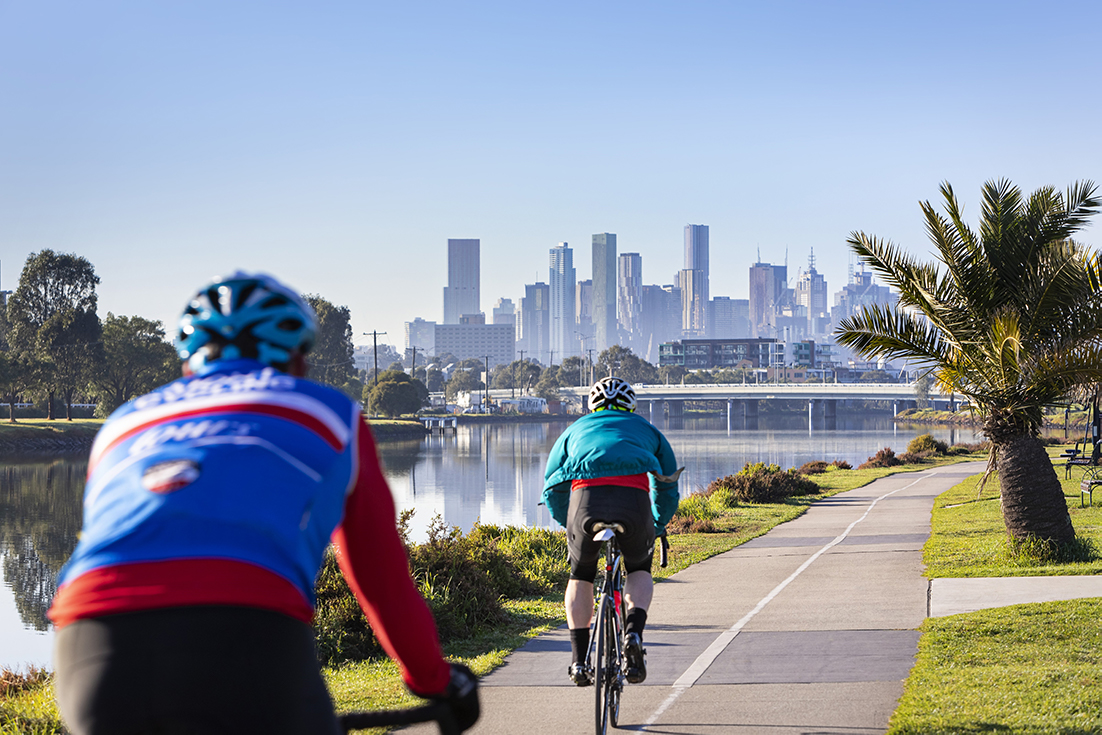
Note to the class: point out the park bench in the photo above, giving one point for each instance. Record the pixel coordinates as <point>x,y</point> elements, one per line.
<point>1092,478</point>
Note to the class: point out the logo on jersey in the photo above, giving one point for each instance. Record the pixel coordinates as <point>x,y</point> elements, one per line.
<point>168,477</point>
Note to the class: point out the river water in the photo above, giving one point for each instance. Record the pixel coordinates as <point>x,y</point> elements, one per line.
<point>490,474</point>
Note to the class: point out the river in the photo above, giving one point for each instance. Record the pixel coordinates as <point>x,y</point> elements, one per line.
<point>486,473</point>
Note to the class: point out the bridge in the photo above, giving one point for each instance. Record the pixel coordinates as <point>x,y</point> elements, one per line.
<point>745,396</point>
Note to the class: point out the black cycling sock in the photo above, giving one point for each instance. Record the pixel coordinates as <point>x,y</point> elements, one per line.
<point>637,620</point>
<point>579,644</point>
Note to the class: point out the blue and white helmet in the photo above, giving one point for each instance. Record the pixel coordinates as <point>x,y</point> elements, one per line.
<point>612,392</point>
<point>245,315</point>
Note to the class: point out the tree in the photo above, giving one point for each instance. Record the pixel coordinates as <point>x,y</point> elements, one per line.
<point>434,380</point>
<point>16,376</point>
<point>71,342</point>
<point>671,374</point>
<point>396,394</point>
<point>50,315</point>
<point>1009,316</point>
<point>621,361</point>
<point>549,384</point>
<point>331,359</point>
<point>136,359</point>
<point>462,380</point>
<point>572,371</point>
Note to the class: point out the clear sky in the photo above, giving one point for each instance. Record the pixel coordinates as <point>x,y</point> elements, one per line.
<point>338,145</point>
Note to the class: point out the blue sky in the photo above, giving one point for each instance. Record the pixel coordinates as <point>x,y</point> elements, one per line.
<point>338,145</point>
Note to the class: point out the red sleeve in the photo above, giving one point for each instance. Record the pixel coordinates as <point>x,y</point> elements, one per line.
<point>375,564</point>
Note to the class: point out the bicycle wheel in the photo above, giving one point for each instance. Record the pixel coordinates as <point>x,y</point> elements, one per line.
<point>607,678</point>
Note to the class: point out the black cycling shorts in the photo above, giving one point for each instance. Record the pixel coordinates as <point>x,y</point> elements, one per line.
<point>191,670</point>
<point>628,506</point>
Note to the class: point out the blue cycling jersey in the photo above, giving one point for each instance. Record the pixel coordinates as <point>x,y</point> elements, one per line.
<point>238,462</point>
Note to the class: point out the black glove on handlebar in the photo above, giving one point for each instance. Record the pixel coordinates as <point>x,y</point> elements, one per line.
<point>462,696</point>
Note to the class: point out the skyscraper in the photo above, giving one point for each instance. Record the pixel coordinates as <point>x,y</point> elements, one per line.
<point>629,297</point>
<point>461,295</point>
<point>696,259</point>
<point>693,304</point>
<point>768,293</point>
<point>563,283</point>
<point>604,289</point>
<point>811,292</point>
<point>533,327</point>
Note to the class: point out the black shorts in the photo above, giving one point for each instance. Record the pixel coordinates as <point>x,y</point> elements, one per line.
<point>628,506</point>
<point>191,670</point>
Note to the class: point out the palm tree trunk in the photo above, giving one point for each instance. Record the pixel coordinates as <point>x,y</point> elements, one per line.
<point>1032,499</point>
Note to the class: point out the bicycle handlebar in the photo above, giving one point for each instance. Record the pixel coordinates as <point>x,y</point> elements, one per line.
<point>383,718</point>
<point>664,556</point>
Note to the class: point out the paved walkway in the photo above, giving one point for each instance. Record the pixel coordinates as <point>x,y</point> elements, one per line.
<point>809,629</point>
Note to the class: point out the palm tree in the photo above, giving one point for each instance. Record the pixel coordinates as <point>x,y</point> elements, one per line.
<point>1010,317</point>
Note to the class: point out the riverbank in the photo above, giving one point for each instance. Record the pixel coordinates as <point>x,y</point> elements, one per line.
<point>38,437</point>
<point>1077,420</point>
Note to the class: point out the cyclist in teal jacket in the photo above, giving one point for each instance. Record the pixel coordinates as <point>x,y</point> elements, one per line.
<point>611,465</point>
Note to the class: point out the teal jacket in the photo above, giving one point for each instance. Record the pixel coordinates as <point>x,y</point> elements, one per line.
<point>607,444</point>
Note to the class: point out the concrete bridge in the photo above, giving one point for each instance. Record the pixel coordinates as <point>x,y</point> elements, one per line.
<point>743,397</point>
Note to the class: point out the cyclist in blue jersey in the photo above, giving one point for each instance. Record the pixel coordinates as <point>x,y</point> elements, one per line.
<point>611,465</point>
<point>186,606</point>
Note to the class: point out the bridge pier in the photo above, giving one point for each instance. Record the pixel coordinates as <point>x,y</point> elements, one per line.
<point>729,402</point>
<point>676,409</point>
<point>830,408</point>
<point>750,408</point>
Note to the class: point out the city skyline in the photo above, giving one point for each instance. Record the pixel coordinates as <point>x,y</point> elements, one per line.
<point>338,146</point>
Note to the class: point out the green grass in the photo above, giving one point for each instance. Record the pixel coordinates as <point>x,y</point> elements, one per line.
<point>38,427</point>
<point>1030,669</point>
<point>1025,668</point>
<point>969,539</point>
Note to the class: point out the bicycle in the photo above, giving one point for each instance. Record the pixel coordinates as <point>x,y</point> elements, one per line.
<point>605,657</point>
<point>438,711</point>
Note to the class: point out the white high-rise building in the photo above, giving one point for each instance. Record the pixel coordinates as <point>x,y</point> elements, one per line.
<point>563,283</point>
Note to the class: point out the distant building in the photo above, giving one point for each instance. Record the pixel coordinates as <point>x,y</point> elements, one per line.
<point>583,309</point>
<point>696,259</point>
<point>461,295</point>
<point>421,334</point>
<point>562,284</point>
<point>708,354</point>
<point>604,290</point>
<point>693,302</point>
<point>505,312</point>
<point>811,293</point>
<point>534,324</point>
<point>859,293</point>
<point>494,341</point>
<point>728,318</point>
<point>629,297</point>
<point>768,295</point>
<point>661,318</point>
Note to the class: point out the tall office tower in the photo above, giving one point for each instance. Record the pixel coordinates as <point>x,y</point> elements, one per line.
<point>661,319</point>
<point>563,284</point>
<point>693,305</point>
<point>604,290</point>
<point>768,294</point>
<point>461,295</point>
<point>811,292</point>
<point>859,293</point>
<point>696,259</point>
<point>629,298</point>
<point>583,310</point>
<point>722,316</point>
<point>533,327</point>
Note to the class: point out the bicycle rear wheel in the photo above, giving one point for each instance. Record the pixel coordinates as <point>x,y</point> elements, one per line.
<point>606,671</point>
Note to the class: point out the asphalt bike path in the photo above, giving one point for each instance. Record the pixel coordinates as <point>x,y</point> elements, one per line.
<point>810,629</point>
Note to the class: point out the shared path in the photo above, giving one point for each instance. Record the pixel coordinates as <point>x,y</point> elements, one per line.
<point>811,629</point>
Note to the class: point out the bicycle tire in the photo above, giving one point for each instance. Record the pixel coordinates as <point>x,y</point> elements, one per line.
<point>602,679</point>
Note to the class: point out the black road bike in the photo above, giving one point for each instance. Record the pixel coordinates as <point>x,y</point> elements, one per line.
<point>606,650</point>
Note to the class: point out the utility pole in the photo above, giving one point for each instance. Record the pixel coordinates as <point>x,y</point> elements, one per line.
<point>375,349</point>
<point>486,403</point>
<point>515,372</point>
<point>590,376</point>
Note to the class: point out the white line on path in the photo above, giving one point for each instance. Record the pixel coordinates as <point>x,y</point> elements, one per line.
<point>711,653</point>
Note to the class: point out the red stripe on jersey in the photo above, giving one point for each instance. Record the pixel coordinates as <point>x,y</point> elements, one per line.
<point>640,482</point>
<point>302,418</point>
<point>176,583</point>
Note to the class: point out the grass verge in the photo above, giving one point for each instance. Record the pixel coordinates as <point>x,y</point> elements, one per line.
<point>1024,668</point>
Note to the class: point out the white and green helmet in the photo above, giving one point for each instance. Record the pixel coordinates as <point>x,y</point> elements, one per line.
<point>612,392</point>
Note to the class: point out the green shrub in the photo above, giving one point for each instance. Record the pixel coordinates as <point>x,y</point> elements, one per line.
<point>914,457</point>
<point>538,554</point>
<point>340,627</point>
<point>884,458</point>
<point>841,464</point>
<point>817,467</point>
<point>926,443</point>
<point>761,483</point>
<point>966,448</point>
<point>685,524</point>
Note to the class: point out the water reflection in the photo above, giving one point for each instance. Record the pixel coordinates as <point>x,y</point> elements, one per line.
<point>40,514</point>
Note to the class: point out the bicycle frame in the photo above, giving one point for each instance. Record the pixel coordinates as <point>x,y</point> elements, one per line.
<point>606,655</point>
